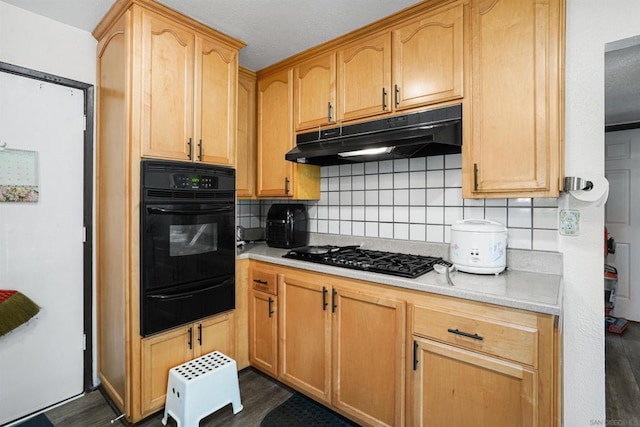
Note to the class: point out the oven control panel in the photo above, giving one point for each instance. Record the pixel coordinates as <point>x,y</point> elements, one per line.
<point>158,175</point>
<point>194,181</point>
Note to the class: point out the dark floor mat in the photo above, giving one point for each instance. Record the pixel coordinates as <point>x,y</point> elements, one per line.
<point>300,411</point>
<point>39,420</point>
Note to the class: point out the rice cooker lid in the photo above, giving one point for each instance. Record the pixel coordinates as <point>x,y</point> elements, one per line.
<point>478,226</point>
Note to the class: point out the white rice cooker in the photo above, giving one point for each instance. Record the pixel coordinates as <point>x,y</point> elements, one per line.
<point>478,246</point>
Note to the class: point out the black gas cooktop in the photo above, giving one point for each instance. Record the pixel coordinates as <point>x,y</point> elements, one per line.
<point>396,264</point>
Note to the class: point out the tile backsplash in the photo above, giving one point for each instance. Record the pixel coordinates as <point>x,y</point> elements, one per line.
<point>412,199</point>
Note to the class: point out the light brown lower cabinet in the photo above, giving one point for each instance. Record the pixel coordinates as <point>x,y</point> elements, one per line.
<point>343,345</point>
<point>163,351</point>
<point>384,356</point>
<point>481,365</point>
<point>263,332</point>
<point>263,318</point>
<point>305,334</point>
<point>457,387</point>
<point>368,356</point>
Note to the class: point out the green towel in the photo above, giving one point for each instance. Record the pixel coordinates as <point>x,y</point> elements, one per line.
<point>15,309</point>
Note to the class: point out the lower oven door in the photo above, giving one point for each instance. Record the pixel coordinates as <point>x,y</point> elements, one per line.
<point>186,243</point>
<point>177,306</point>
<point>187,262</point>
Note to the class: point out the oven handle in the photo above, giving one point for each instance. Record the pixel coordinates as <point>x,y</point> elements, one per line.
<point>154,210</point>
<point>188,294</point>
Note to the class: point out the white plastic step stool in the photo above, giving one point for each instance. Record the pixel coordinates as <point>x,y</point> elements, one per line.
<point>200,387</point>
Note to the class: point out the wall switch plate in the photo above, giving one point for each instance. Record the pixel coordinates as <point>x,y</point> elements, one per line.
<point>569,222</point>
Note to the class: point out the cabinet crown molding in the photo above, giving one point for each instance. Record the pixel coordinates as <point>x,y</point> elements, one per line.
<point>121,6</point>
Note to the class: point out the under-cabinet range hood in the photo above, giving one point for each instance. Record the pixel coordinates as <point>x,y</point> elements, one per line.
<point>420,134</point>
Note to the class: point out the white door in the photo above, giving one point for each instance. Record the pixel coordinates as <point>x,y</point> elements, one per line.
<point>622,169</point>
<point>41,249</point>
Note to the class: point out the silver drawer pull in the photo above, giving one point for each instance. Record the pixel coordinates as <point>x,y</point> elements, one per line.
<point>465,334</point>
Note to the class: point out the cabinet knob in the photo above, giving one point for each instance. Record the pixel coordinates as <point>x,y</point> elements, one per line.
<point>200,150</point>
<point>286,185</point>
<point>189,148</point>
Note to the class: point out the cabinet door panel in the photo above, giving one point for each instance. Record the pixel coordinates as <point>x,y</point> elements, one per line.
<point>161,353</point>
<point>314,90</point>
<point>263,331</point>
<point>215,103</point>
<point>364,78</point>
<point>368,356</point>
<point>275,134</point>
<point>428,58</point>
<point>214,334</point>
<point>456,387</point>
<point>305,337</point>
<point>515,135</point>
<point>167,88</point>
<point>246,136</point>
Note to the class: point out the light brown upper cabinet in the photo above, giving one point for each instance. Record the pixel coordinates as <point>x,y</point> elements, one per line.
<point>275,134</point>
<point>168,51</point>
<point>428,59</point>
<point>314,91</point>
<point>364,77</point>
<point>278,177</point>
<point>513,142</point>
<point>215,102</point>
<point>188,93</point>
<point>414,64</point>
<point>246,137</point>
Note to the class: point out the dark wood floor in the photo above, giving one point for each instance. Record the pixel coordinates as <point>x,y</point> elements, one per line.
<point>260,394</point>
<point>622,368</point>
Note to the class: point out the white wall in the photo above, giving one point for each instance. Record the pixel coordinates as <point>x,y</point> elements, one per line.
<point>42,44</point>
<point>590,25</point>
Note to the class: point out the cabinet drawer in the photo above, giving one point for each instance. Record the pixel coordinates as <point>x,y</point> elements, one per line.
<point>491,336</point>
<point>264,281</point>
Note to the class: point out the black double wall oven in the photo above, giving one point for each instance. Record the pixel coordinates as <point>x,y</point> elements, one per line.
<point>187,243</point>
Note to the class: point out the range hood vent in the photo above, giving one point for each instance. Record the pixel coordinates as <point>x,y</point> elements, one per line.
<point>421,134</point>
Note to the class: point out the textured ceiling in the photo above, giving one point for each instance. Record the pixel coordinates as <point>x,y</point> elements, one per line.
<point>272,29</point>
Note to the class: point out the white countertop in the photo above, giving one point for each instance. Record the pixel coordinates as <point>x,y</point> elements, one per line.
<point>524,290</point>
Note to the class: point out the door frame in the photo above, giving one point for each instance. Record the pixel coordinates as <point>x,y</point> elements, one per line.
<point>87,203</point>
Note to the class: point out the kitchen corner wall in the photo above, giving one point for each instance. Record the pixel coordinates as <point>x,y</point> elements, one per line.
<point>412,199</point>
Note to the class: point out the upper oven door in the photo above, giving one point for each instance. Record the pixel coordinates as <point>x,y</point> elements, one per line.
<point>187,243</point>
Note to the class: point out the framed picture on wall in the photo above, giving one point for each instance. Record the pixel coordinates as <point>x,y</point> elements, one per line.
<point>18,175</point>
